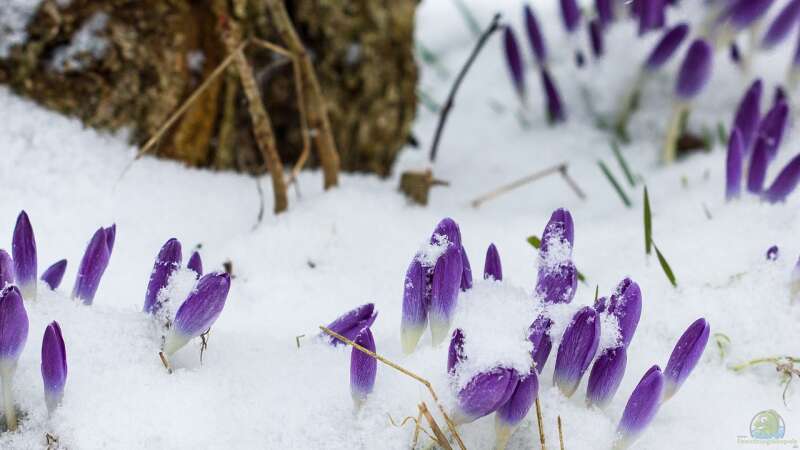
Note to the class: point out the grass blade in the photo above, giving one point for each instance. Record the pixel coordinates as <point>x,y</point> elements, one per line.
<point>665,266</point>
<point>469,18</point>
<point>623,164</point>
<point>648,223</point>
<point>625,200</point>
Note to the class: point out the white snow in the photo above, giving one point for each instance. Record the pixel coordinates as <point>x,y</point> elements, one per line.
<point>338,249</point>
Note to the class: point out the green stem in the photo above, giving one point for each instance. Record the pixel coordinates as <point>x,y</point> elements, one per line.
<point>766,360</point>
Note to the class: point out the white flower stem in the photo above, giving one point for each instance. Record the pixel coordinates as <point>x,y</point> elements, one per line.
<point>8,401</point>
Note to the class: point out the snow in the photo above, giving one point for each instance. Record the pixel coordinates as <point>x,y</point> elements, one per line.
<point>86,42</point>
<point>338,249</point>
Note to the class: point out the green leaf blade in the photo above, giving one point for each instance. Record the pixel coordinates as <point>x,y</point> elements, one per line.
<point>648,224</point>
<point>665,267</point>
<point>625,200</point>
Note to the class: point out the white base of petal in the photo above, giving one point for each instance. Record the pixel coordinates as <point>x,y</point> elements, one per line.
<point>503,432</point>
<point>440,330</point>
<point>566,387</point>
<point>28,291</point>
<point>174,342</point>
<point>409,337</point>
<point>52,399</point>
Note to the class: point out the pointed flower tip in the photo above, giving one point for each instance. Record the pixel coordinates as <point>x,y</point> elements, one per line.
<point>605,377</point>
<point>203,305</point>
<point>23,250</point>
<point>695,71</point>
<point>484,394</point>
<point>13,327</point>
<point>54,274</point>
<point>535,37</point>
<point>54,365</point>
<point>666,47</point>
<point>492,268</point>
<point>576,350</point>
<point>167,262</point>
<point>556,112</point>
<point>733,169</point>
<point>605,11</point>
<point>560,227</point>
<point>6,269</point>
<point>570,14</point>
<point>363,367</point>
<point>352,322</point>
<point>93,265</point>
<point>642,407</point>
<point>448,228</point>
<point>785,183</point>
<point>111,237</point>
<point>748,115</point>
<point>626,305</point>
<point>514,60</point>
<point>782,24</point>
<point>195,263</point>
<point>685,356</point>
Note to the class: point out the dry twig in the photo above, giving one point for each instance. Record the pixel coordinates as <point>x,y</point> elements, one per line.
<point>541,425</point>
<point>559,168</point>
<point>441,439</point>
<point>560,434</point>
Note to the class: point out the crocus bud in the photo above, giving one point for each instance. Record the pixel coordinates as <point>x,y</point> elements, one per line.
<point>555,107</point>
<point>514,60</point>
<point>651,15</point>
<point>466,273</point>
<point>596,38</point>
<point>23,249</point>
<point>352,322</point>
<point>743,13</point>
<point>570,14</point>
<point>605,11</point>
<point>772,128</point>
<point>195,264</point>
<point>642,406</point>
<point>448,228</point>
<point>484,394</point>
<point>560,229</point>
<point>55,273</point>
<point>492,267</point>
<point>606,376</point>
<point>748,115</point>
<point>783,23</point>
<point>540,338</point>
<point>666,47</point>
<point>733,169</point>
<point>557,284</point>
<point>695,71</point>
<point>199,311</point>
<point>6,269</point>
<point>93,265</point>
<point>455,353</point>
<point>445,286</point>
<point>772,253</point>
<point>785,183</point>
<point>535,36</point>
<point>626,305</point>
<point>363,368</point>
<point>685,356</point>
<point>167,262</point>
<point>54,365</point>
<point>511,413</point>
<point>13,329</point>
<point>758,168</point>
<point>576,350</point>
<point>415,312</point>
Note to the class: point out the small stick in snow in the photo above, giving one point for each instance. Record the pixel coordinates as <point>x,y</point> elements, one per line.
<point>572,183</point>
<point>541,425</point>
<point>560,434</point>
<point>297,339</point>
<point>204,344</point>
<point>560,168</point>
<point>417,427</point>
<point>165,362</point>
<point>441,439</point>
<point>448,104</point>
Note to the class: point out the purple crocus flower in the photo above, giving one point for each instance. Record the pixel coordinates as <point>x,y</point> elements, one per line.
<point>605,11</point>
<point>484,394</point>
<point>199,311</point>
<point>535,36</point>
<point>626,305</point>
<point>93,265</point>
<point>560,230</point>
<point>466,274</point>
<point>651,15</point>
<point>641,408</point>
<point>168,261</point>
<point>576,350</point>
<point>6,269</point>
<point>555,107</point>
<point>540,338</point>
<point>782,25</point>
<point>570,14</point>
<point>666,47</point>
<point>743,13</point>
<point>685,356</point>
<point>772,253</point>
<point>770,134</point>
<point>606,376</point>
<point>695,70</point>
<point>54,365</point>
<point>785,183</point>
<point>13,335</point>
<point>758,168</point>
<point>351,323</point>
<point>511,413</point>
<point>363,368</point>
<point>445,285</point>
<point>514,60</point>
<point>23,250</point>
<point>55,273</point>
<point>195,264</point>
<point>748,115</point>
<point>596,38</point>
<point>415,307</point>
<point>557,284</point>
<point>492,268</point>
<point>455,353</point>
<point>448,228</point>
<point>733,169</point>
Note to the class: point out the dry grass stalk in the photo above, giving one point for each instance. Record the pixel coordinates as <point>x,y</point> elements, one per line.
<point>165,361</point>
<point>560,434</point>
<point>441,439</point>
<point>541,425</point>
<point>559,168</point>
<point>450,425</point>
<point>417,427</point>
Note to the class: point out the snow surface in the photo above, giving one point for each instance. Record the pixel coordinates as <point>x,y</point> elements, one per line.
<point>335,250</point>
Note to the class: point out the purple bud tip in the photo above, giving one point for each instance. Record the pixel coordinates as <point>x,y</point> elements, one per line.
<point>466,274</point>
<point>111,236</point>
<point>23,250</point>
<point>492,268</point>
<point>785,183</point>
<point>576,350</point>
<point>455,354</point>
<point>555,106</point>
<point>445,286</point>
<point>514,61</point>
<point>511,413</point>
<point>195,264</point>
<point>743,13</point>
<point>606,376</point>
<point>54,365</point>
<point>626,305</point>
<point>651,15</point>
<point>596,38</point>
<point>782,25</point>
<point>93,265</point>
<point>167,262</point>
<point>363,367</point>
<point>535,36</point>
<point>484,394</point>
<point>642,406</point>
<point>6,269</point>
<point>540,338</point>
<point>561,228</point>
<point>695,71</point>
<point>570,14</point>
<point>13,329</point>
<point>685,356</point>
<point>772,253</point>
<point>448,228</point>
<point>352,322</point>
<point>748,115</point>
<point>55,273</point>
<point>199,311</point>
<point>557,284</point>
<point>733,169</point>
<point>605,11</point>
<point>415,311</point>
<point>666,46</point>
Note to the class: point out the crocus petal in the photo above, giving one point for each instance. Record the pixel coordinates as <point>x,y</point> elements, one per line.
<point>606,376</point>
<point>55,273</point>
<point>557,284</point>
<point>772,253</point>
<point>363,367</point>
<point>6,269</point>
<point>492,268</point>
<point>111,237</point>
<point>758,166</point>
<point>167,262</point>
<point>642,406</point>
<point>13,329</point>
<point>626,305</point>
<point>23,250</point>
<point>93,265</point>
<point>445,286</point>
<point>596,38</point>
<point>199,311</point>
<point>695,71</point>
<point>651,15</point>
<point>455,353</point>
<point>570,14</point>
<point>514,61</point>
<point>484,394</point>
<point>466,273</point>
<point>685,355</point>
<point>511,413</point>
<point>783,23</point>
<point>785,183</point>
<point>605,11</point>
<point>666,47</point>
<point>195,264</point>
<point>743,13</point>
<point>535,36</point>
<point>771,129</point>
<point>748,115</point>
<point>561,229</point>
<point>555,106</point>
<point>733,166</point>
<point>540,338</point>
<point>576,350</point>
<point>352,322</point>
<point>415,312</point>
<point>54,365</point>
<point>448,228</point>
